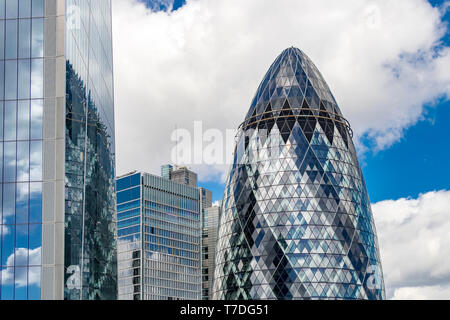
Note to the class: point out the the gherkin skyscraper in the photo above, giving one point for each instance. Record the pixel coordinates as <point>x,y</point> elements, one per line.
<point>296,219</point>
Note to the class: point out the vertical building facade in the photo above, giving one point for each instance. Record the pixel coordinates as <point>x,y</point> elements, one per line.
<point>209,240</point>
<point>205,203</point>
<point>296,220</point>
<point>159,239</point>
<point>57,150</point>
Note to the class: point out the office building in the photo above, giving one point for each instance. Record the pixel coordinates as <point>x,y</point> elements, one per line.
<point>185,176</point>
<point>209,239</point>
<point>57,150</point>
<point>205,203</point>
<point>159,239</point>
<point>296,220</point>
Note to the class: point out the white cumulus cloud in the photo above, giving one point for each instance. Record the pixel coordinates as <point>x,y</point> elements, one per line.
<point>382,59</point>
<point>22,276</point>
<point>414,236</point>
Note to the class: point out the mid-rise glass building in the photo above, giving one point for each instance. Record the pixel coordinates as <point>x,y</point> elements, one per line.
<point>296,220</point>
<point>57,150</point>
<point>159,239</point>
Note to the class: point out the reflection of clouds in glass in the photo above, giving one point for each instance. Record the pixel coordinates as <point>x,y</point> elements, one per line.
<point>23,161</point>
<point>21,257</point>
<point>5,229</point>
<point>37,79</point>
<point>9,203</point>
<point>36,161</point>
<point>37,110</point>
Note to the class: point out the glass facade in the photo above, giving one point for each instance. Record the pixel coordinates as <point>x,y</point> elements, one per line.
<point>90,203</point>
<point>296,220</point>
<point>159,233</point>
<point>57,169</point>
<point>21,135</point>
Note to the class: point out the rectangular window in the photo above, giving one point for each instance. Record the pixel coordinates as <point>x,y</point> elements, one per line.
<point>10,120</point>
<point>23,119</point>
<point>128,195</point>
<point>37,79</point>
<point>37,38</point>
<point>12,7</point>
<point>24,79</point>
<point>11,39</point>
<point>24,38</point>
<point>11,80</point>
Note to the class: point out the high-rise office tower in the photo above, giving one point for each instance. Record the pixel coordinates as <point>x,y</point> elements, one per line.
<point>296,220</point>
<point>159,239</point>
<point>57,158</point>
<point>166,171</point>
<point>185,176</point>
<point>209,239</point>
<point>205,203</point>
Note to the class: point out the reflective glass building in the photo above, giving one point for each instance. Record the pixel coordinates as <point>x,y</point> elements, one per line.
<point>159,239</point>
<point>296,220</point>
<point>57,162</point>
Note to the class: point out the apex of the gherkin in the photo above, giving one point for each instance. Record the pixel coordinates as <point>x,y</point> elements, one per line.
<point>293,77</point>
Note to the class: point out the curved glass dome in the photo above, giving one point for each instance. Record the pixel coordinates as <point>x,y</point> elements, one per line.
<point>296,219</point>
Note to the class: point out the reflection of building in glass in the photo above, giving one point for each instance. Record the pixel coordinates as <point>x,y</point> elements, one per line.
<point>209,239</point>
<point>296,220</point>
<point>159,233</point>
<point>57,151</point>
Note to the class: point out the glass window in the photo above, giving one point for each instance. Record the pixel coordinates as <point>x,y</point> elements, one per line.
<point>35,160</point>
<point>8,246</point>
<point>24,79</point>
<point>10,120</point>
<point>37,79</point>
<point>20,283</point>
<point>35,213</point>
<point>34,283</point>
<point>2,9</point>
<point>9,162</point>
<point>128,195</point>
<point>2,79</point>
<point>36,119</point>
<point>12,7</point>
<point>11,39</point>
<point>22,194</point>
<point>2,38</point>
<point>21,243</point>
<point>24,38</point>
<point>37,48</point>
<point>38,8</point>
<point>1,121</point>
<point>25,8</point>
<point>11,79</point>
<point>7,283</point>
<point>1,172</point>
<point>23,118</point>
<point>23,162</point>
